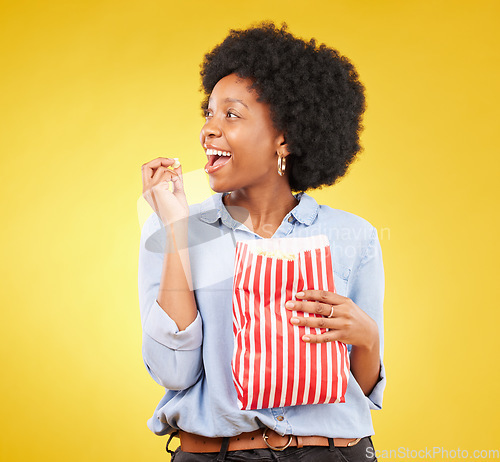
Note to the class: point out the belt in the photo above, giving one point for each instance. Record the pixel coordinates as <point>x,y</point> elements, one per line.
<point>257,439</point>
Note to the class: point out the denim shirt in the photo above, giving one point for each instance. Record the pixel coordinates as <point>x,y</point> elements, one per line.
<point>194,365</point>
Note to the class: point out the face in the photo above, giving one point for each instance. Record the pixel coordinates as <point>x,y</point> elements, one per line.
<point>241,127</point>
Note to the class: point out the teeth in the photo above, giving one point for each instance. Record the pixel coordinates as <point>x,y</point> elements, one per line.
<point>214,152</point>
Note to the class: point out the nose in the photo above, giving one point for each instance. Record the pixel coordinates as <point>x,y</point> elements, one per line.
<point>210,129</point>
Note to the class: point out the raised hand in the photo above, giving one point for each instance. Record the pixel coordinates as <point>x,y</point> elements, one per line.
<point>170,206</point>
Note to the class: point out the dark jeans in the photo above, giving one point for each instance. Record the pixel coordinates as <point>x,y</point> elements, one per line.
<point>361,452</point>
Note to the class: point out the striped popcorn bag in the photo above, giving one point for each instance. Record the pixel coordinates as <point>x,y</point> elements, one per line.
<point>272,366</point>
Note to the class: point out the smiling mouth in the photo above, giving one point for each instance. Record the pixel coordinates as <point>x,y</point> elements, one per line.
<point>216,160</point>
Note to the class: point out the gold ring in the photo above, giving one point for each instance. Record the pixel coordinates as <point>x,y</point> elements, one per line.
<point>331,312</point>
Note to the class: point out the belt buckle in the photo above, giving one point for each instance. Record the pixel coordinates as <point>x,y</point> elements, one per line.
<point>265,437</point>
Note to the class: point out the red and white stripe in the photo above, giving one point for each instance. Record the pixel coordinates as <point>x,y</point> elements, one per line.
<point>272,366</point>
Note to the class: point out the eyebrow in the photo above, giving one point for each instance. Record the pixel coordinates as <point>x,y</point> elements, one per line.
<point>233,100</point>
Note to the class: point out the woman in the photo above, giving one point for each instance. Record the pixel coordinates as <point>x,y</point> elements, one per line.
<point>282,116</point>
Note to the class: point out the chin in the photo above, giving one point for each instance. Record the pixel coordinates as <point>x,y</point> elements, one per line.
<point>219,188</point>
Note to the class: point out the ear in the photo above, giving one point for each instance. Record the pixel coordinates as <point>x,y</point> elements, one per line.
<point>282,149</point>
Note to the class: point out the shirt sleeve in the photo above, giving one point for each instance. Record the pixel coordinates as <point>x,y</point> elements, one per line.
<point>367,291</point>
<point>172,357</point>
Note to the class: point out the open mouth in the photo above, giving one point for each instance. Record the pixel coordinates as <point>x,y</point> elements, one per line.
<point>216,160</point>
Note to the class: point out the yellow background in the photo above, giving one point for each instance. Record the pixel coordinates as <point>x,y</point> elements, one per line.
<point>91,90</point>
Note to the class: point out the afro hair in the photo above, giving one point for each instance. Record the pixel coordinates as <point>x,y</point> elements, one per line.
<point>314,94</point>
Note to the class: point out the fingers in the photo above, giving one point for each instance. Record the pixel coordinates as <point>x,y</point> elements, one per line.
<point>154,167</point>
<point>150,167</point>
<point>320,304</point>
<point>319,308</point>
<point>323,296</point>
<point>161,169</point>
<point>169,203</point>
<point>156,175</point>
<point>178,181</point>
<point>330,336</point>
<point>162,173</point>
<point>318,322</point>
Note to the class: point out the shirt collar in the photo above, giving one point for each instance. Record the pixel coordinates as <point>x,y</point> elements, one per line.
<point>306,210</point>
<point>210,209</point>
<point>213,208</point>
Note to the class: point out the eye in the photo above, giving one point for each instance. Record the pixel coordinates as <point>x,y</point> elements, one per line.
<point>231,115</point>
<point>208,113</point>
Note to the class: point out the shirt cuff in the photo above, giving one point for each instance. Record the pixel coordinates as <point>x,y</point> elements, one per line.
<point>375,397</point>
<point>162,328</point>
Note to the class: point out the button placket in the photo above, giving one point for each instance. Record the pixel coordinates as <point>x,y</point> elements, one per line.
<point>280,422</point>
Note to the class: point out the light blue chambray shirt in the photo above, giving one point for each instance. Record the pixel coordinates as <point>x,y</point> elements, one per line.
<point>194,365</point>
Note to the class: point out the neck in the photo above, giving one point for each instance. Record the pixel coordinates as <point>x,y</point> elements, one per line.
<point>262,211</point>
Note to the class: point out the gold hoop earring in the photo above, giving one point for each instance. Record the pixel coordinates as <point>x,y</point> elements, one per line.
<point>281,165</point>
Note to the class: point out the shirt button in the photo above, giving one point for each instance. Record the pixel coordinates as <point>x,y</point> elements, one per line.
<point>280,418</point>
<point>290,219</point>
